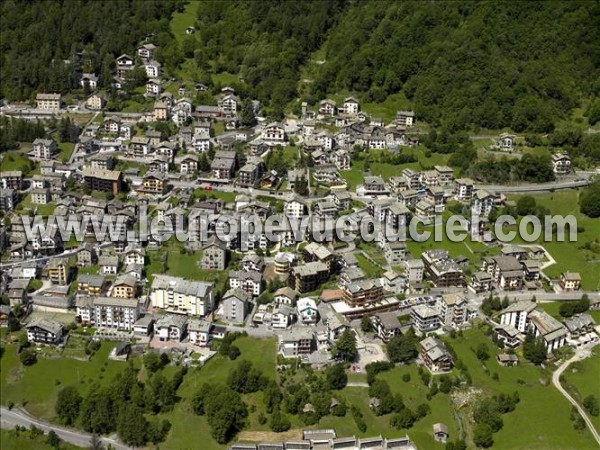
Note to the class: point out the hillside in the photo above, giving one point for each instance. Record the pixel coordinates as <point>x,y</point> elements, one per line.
<point>460,65</point>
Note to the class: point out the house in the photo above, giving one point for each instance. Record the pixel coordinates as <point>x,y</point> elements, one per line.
<point>223,168</point>
<point>153,87</point>
<point>386,325</point>
<point>11,179</point>
<point>570,281</point>
<point>414,269</point>
<point>351,106</point>
<point>102,180</point>
<point>548,328</point>
<point>517,315</point>
<point>9,198</point>
<point>144,326</point>
<point>481,282</point>
<point>108,312</point>
<point>374,185</point>
<point>146,51</point>
<point>283,316</point>
<point>214,255</point>
<point>509,336</point>
<point>95,102</point>
<point>109,264</point>
<point>91,285</point>
<point>250,282</point>
<point>170,327</point>
<point>199,332</point>
<point>44,149</point>
<point>154,183</point>
<point>405,119</point>
<point>125,286</point>
<point>463,189</point>
<point>182,296</point>
<point>44,331</point>
<point>58,271</point>
<point>235,305</point>
<point>88,81</point>
<point>425,319</point>
<point>125,60</point>
<point>506,142</point>
<point>507,359</point>
<point>435,355</point>
<point>580,326</point>
<point>394,252</point>
<point>252,263</point>
<point>327,108</point>
<point>134,255</point>
<point>273,133</point>
<point>48,101</point>
<point>285,296</point>
<point>505,270</point>
<point>440,432</point>
<point>307,310</point>
<point>229,104</point>
<point>296,342</point>
<point>561,164</point>
<point>482,203</point>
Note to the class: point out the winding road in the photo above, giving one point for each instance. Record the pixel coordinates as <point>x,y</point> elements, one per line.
<point>580,353</point>
<point>20,417</point>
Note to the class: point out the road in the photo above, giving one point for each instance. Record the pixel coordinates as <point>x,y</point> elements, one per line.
<point>14,417</point>
<point>580,353</point>
<point>536,187</point>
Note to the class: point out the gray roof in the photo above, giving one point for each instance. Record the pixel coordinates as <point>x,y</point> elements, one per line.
<point>46,324</point>
<point>181,285</point>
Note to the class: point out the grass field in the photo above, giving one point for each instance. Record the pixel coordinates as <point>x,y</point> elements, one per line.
<point>182,20</point>
<point>581,379</point>
<point>582,256</point>
<point>13,440</point>
<point>66,150</point>
<point>552,308</point>
<point>15,160</point>
<point>371,270</point>
<point>37,386</point>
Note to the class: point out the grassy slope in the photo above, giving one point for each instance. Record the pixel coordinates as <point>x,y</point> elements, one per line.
<point>571,255</point>
<point>12,440</point>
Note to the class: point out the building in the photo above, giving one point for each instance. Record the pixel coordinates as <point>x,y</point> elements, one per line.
<point>509,336</point>
<point>414,269</point>
<point>11,179</point>
<point>440,432</point>
<point>125,286</point>
<point>452,308</point>
<point>58,271</point>
<point>108,312</point>
<point>548,328</point>
<point>182,296</point>
<point>570,281</point>
<point>309,276</point>
<point>44,149</point>
<point>235,304</point>
<point>44,331</point>
<point>296,342</point>
<point>102,180</point>
<point>506,142</point>
<point>363,293</point>
<point>463,189</point>
<point>95,102</point>
<point>154,183</point>
<point>9,198</point>
<point>506,271</point>
<point>109,264</point>
<point>561,164</point>
<point>285,296</point>
<point>386,325</point>
<point>91,285</point>
<point>170,327</point>
<point>442,270</point>
<point>199,332</point>
<point>307,310</point>
<point>250,282</point>
<point>516,315</point>
<point>581,326</point>
<point>425,319</point>
<point>405,119</point>
<point>48,101</point>
<point>214,255</point>
<point>435,355</point>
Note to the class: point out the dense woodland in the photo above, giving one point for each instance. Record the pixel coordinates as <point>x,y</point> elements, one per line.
<point>462,64</point>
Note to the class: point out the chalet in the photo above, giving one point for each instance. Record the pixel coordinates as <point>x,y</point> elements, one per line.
<point>405,119</point>
<point>44,149</point>
<point>561,164</point>
<point>425,319</point>
<point>435,355</point>
<point>170,327</point>
<point>199,332</point>
<point>44,331</point>
<point>188,164</point>
<point>153,87</point>
<point>296,342</point>
<point>250,282</point>
<point>285,296</point>
<point>11,179</point>
<point>146,51</point>
<point>442,270</point>
<point>273,133</point>
<point>235,305</point>
<point>581,326</point>
<point>351,106</point>
<point>506,142</point>
<point>109,264</point>
<point>505,270</point>
<point>48,101</point>
<point>327,108</point>
<point>91,285</point>
<point>463,189</point>
<point>570,281</point>
<point>88,81</point>
<point>548,328</point>
<point>125,286</point>
<point>154,183</point>
<point>386,325</point>
<point>95,102</point>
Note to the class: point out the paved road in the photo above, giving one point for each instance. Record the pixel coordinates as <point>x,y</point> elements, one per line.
<point>535,187</point>
<point>580,353</point>
<point>14,417</point>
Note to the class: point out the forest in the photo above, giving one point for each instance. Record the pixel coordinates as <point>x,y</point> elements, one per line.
<point>463,65</point>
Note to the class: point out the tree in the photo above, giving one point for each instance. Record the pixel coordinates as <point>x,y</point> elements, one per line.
<point>526,205</point>
<point>272,396</point>
<point>336,376</point>
<point>28,357</point>
<point>279,421</point>
<point>589,201</point>
<point>247,113</point>
<point>131,425</point>
<point>482,352</point>
<point>404,419</point>
<point>365,324</point>
<point>301,186</point>
<point>590,403</point>
<point>67,405</point>
<point>487,411</point>
<point>402,348</point>
<point>345,347</point>
<point>534,349</point>
<point>53,440</point>
<point>153,361</point>
<point>234,352</point>
<point>482,435</point>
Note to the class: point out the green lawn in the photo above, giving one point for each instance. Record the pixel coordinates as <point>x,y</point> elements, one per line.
<point>371,270</point>
<point>262,354</point>
<point>353,177</point>
<point>37,386</point>
<point>22,440</point>
<point>582,256</point>
<point>66,150</point>
<point>551,428</point>
<point>15,160</point>
<point>581,379</point>
<point>44,210</point>
<point>553,308</point>
<point>182,20</point>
